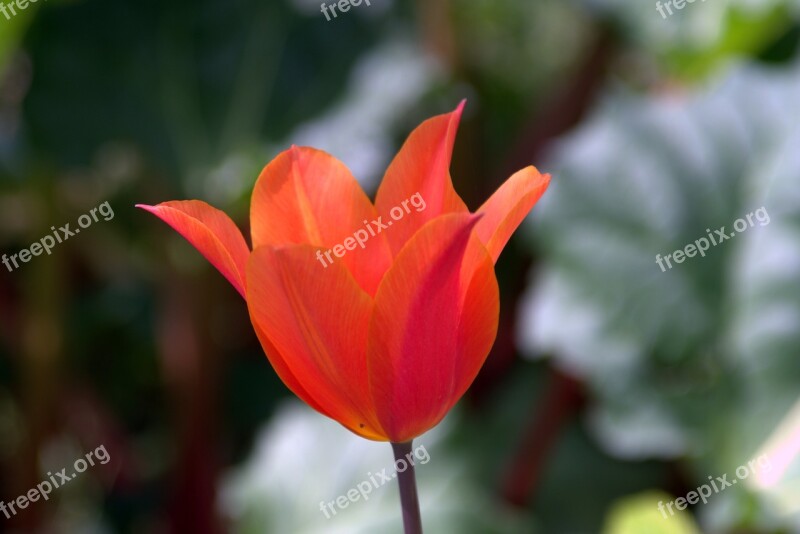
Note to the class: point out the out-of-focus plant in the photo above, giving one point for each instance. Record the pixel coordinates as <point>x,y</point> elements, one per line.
<point>698,361</point>
<point>639,515</point>
<point>701,37</point>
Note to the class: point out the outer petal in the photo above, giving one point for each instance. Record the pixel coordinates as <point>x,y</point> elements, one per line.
<point>315,323</point>
<point>435,320</point>
<point>211,232</point>
<point>307,196</point>
<point>283,371</point>
<point>422,166</point>
<point>507,208</point>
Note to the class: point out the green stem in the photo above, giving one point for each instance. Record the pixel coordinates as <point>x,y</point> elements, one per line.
<point>409,500</point>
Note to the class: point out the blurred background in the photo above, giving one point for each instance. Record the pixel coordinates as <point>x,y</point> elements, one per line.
<point>613,385</point>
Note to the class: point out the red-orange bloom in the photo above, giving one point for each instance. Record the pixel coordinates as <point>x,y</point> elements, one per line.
<point>388,337</point>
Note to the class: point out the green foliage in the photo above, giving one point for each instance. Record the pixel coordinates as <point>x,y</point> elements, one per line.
<point>744,33</point>
<point>639,515</point>
<point>699,360</point>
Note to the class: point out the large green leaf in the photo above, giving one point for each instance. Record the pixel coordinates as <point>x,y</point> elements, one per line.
<point>701,358</point>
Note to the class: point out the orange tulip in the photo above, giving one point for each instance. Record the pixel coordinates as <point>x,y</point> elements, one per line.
<point>386,338</point>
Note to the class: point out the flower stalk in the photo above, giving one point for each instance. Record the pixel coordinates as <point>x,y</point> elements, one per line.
<point>409,499</point>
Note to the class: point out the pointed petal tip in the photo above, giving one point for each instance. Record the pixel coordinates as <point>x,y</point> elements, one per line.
<point>456,114</point>
<point>508,207</point>
<point>298,153</point>
<point>545,175</point>
<point>211,232</point>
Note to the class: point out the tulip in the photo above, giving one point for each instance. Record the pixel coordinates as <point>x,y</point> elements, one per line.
<point>389,336</point>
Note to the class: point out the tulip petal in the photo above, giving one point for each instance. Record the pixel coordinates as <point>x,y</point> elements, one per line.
<point>211,232</point>
<point>507,208</point>
<point>422,166</point>
<point>307,196</point>
<point>278,362</point>
<point>435,320</point>
<point>319,319</point>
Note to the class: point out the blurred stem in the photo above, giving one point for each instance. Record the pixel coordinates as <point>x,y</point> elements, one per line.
<point>563,398</point>
<point>438,31</point>
<point>254,82</point>
<point>409,500</point>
